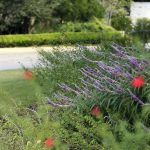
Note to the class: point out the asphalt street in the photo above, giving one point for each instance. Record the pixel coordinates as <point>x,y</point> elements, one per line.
<point>14,58</point>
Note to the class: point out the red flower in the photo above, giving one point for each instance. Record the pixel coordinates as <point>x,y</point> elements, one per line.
<point>95,111</point>
<point>27,74</point>
<point>49,142</point>
<point>138,82</point>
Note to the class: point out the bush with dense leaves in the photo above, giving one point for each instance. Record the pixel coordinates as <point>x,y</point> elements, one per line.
<point>83,131</point>
<point>121,22</point>
<point>71,129</point>
<point>110,79</point>
<point>142,29</point>
<point>93,26</point>
<point>62,38</point>
<point>106,78</point>
<point>79,10</point>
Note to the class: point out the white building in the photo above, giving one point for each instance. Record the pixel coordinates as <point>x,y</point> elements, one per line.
<point>140,10</point>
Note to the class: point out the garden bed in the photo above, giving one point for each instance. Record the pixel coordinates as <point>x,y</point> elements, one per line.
<point>92,100</point>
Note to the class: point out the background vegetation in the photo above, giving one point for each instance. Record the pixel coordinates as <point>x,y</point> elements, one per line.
<point>29,15</point>
<point>45,16</point>
<point>58,100</point>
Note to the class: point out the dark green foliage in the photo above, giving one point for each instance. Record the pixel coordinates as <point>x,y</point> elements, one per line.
<point>142,29</point>
<point>78,10</point>
<point>85,132</point>
<point>37,16</point>
<point>121,22</point>
<point>96,25</point>
<point>20,16</point>
<point>71,130</point>
<point>146,115</point>
<point>10,136</point>
<point>9,19</point>
<point>61,38</point>
<point>78,27</point>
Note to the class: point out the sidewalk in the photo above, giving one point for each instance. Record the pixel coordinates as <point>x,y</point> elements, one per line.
<point>12,58</point>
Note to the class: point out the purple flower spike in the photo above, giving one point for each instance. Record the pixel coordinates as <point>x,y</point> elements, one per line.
<point>133,61</point>
<point>128,75</point>
<point>135,98</point>
<point>119,51</point>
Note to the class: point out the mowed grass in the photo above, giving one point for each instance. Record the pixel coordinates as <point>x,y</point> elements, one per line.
<point>15,90</point>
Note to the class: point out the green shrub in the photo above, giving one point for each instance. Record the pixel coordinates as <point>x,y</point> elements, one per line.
<point>142,29</point>
<point>85,132</point>
<point>78,128</point>
<point>107,82</point>
<point>10,136</point>
<point>121,22</point>
<point>61,66</point>
<point>61,38</point>
<point>92,26</point>
<point>71,130</point>
<point>29,129</point>
<point>79,10</point>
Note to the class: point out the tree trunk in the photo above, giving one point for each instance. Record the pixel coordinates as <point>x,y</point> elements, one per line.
<point>31,25</point>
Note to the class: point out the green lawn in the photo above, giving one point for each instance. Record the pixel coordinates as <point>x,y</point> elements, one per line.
<point>15,90</point>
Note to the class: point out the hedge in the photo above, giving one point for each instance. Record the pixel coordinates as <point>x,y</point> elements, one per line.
<point>61,38</point>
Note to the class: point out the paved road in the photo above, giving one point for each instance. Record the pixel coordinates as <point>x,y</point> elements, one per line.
<point>12,58</point>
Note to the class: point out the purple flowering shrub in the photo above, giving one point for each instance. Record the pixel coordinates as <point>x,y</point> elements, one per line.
<point>107,81</point>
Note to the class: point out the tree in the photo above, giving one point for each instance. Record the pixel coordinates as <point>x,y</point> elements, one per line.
<point>78,10</point>
<point>19,16</point>
<point>9,15</point>
<point>142,29</point>
<point>121,21</point>
<point>112,7</point>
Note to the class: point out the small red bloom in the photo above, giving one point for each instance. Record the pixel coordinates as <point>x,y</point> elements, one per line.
<point>49,142</point>
<point>27,74</point>
<point>95,111</point>
<point>138,82</point>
